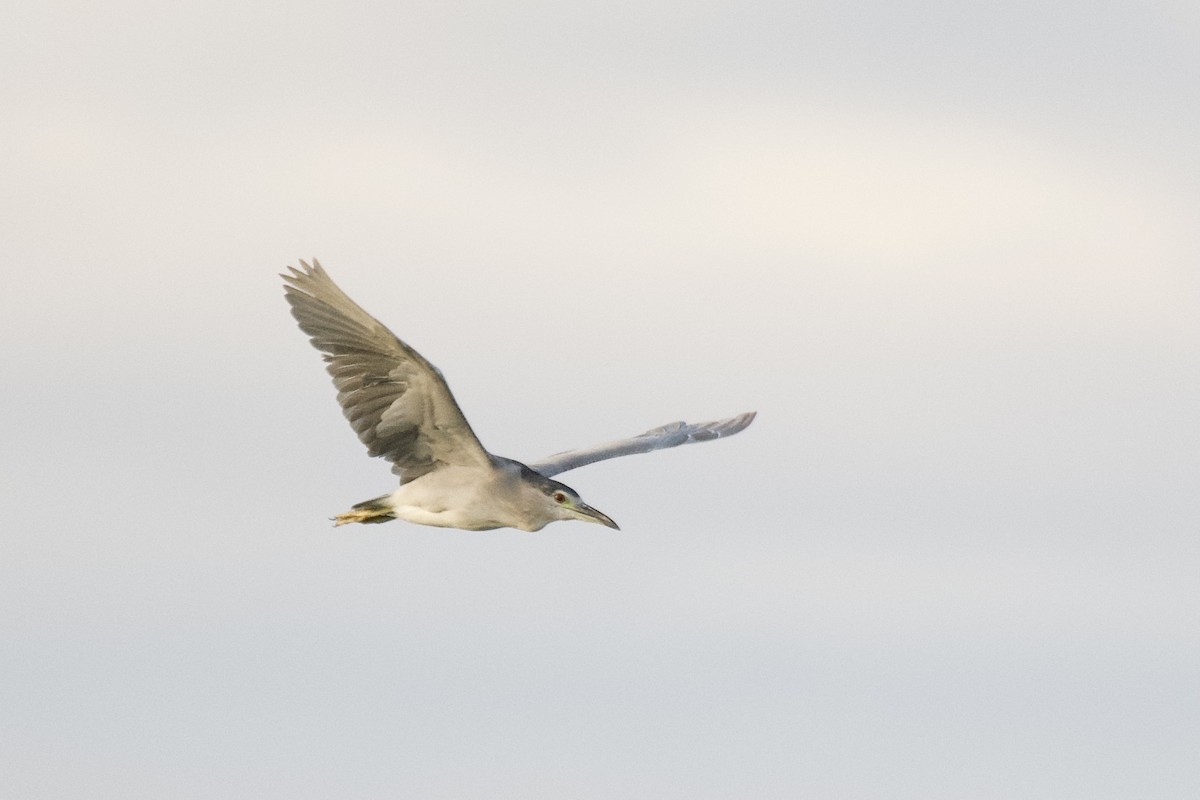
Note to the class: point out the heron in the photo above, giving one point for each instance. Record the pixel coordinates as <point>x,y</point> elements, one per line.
<point>402,410</point>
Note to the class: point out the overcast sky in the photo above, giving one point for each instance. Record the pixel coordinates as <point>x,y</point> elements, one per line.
<point>949,252</point>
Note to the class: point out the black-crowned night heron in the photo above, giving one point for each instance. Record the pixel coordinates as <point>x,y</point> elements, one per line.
<point>401,408</point>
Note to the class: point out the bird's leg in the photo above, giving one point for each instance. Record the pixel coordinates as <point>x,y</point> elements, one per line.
<point>368,511</point>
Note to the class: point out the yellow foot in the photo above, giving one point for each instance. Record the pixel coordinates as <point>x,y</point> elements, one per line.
<point>358,515</point>
<point>363,515</point>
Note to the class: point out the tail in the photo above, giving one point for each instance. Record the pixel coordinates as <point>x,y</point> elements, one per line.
<point>368,511</point>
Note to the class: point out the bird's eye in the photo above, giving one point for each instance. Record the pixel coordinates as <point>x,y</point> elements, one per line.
<point>559,497</point>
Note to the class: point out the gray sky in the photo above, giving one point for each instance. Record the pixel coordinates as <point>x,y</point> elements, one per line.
<point>948,251</point>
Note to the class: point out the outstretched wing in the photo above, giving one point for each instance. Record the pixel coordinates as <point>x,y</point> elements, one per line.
<point>396,401</point>
<point>671,435</point>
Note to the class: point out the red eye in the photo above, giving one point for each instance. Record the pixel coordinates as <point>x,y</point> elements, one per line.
<point>559,497</point>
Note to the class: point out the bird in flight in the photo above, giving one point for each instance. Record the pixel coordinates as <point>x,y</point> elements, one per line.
<point>402,410</point>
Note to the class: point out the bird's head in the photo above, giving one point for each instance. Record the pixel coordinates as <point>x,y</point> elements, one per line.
<point>562,502</point>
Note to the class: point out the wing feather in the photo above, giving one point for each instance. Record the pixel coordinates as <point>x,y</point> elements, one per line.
<point>396,401</point>
<point>670,435</point>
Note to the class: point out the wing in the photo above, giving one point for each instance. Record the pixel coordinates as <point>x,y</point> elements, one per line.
<point>396,401</point>
<point>670,435</point>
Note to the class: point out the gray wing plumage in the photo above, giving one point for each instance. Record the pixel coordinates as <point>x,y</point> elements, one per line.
<point>670,435</point>
<point>396,401</point>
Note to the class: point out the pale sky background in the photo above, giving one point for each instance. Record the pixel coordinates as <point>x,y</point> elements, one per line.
<point>950,252</point>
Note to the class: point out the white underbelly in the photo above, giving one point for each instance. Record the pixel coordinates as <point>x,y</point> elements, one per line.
<point>451,518</point>
<point>457,497</point>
